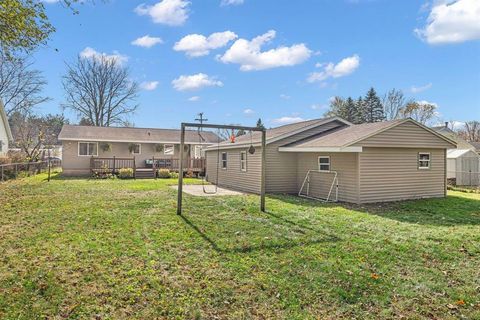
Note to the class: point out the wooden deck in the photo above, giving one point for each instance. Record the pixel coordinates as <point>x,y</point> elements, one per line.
<point>149,167</point>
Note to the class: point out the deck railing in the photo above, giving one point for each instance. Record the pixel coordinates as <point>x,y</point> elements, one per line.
<point>113,164</point>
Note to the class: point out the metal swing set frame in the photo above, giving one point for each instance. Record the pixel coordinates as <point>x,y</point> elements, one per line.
<point>199,126</point>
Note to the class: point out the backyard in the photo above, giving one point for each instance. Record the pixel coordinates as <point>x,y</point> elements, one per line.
<point>113,249</point>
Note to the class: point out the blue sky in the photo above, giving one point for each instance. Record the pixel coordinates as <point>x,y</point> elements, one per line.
<point>304,53</point>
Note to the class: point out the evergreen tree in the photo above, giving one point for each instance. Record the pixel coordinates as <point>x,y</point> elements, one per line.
<point>359,115</point>
<point>350,110</point>
<point>373,108</point>
<point>260,124</point>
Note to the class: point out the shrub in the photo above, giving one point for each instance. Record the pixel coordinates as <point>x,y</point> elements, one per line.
<point>174,175</point>
<point>125,173</point>
<point>103,173</point>
<point>164,173</point>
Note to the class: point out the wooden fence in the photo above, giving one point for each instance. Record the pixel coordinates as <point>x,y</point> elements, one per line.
<point>14,170</point>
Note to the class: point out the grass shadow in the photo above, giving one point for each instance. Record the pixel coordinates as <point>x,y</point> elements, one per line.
<point>450,211</point>
<point>271,245</point>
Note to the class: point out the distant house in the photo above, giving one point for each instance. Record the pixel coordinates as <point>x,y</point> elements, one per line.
<point>477,146</point>
<point>463,162</point>
<point>87,148</point>
<point>5,132</point>
<point>333,159</point>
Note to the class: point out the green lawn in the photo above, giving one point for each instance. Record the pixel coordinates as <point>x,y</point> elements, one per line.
<point>116,249</point>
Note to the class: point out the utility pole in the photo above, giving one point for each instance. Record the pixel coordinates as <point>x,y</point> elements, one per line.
<point>200,118</point>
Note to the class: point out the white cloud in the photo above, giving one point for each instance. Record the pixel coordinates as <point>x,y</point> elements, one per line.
<point>90,53</point>
<point>197,45</point>
<point>285,96</point>
<point>169,12</point>
<point>287,120</point>
<point>248,111</point>
<point>194,98</point>
<point>147,41</point>
<point>50,1</point>
<point>318,106</point>
<point>423,102</point>
<point>195,82</point>
<point>149,85</point>
<point>250,57</point>
<point>331,70</point>
<point>231,2</point>
<point>415,89</point>
<point>452,22</point>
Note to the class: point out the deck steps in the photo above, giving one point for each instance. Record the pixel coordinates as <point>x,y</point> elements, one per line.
<point>144,174</point>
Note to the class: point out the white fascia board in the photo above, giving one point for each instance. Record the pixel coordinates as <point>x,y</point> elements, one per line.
<point>320,149</point>
<point>133,141</point>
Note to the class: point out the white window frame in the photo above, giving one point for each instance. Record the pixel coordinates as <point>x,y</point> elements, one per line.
<point>197,151</point>
<point>165,149</point>
<point>224,167</point>
<point>87,155</point>
<point>324,164</point>
<point>139,148</point>
<point>243,162</point>
<point>429,160</point>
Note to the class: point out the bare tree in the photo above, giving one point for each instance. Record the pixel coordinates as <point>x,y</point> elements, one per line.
<point>470,131</point>
<point>421,112</point>
<point>20,87</point>
<point>32,132</point>
<point>393,102</point>
<point>99,90</point>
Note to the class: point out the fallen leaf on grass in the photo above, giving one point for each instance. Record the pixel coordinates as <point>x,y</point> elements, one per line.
<point>374,276</point>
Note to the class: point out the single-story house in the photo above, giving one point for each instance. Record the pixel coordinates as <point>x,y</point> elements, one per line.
<point>463,161</point>
<point>5,132</point>
<point>88,147</point>
<point>372,162</point>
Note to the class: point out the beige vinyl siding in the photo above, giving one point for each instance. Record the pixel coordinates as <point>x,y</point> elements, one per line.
<point>281,168</point>
<point>346,166</point>
<point>73,164</point>
<point>233,177</point>
<point>390,174</point>
<point>405,135</point>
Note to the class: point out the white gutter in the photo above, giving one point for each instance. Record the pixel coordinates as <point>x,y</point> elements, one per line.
<point>132,141</point>
<point>320,149</point>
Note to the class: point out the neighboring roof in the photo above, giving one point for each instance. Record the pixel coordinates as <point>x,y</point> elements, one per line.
<point>456,153</point>
<point>4,119</point>
<point>277,133</point>
<point>138,135</point>
<point>346,137</point>
<point>476,145</point>
<point>447,132</point>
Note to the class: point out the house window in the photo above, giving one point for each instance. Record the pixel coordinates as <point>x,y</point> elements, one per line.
<point>168,149</point>
<point>88,149</point>
<point>324,163</point>
<point>137,148</point>
<point>198,152</point>
<point>224,160</point>
<point>243,161</point>
<point>424,160</point>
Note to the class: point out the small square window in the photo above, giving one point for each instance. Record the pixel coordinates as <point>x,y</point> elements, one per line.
<point>137,148</point>
<point>424,160</point>
<point>324,163</point>
<point>168,149</point>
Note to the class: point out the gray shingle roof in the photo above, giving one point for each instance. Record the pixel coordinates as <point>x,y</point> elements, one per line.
<point>345,136</point>
<point>146,135</point>
<point>447,132</point>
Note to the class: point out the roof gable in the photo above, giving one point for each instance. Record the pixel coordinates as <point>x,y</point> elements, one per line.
<point>405,133</point>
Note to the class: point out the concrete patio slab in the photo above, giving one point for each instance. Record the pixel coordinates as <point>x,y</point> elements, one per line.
<point>197,190</point>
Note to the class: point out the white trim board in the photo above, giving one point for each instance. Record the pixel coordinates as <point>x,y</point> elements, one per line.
<point>320,149</point>
<point>134,141</point>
